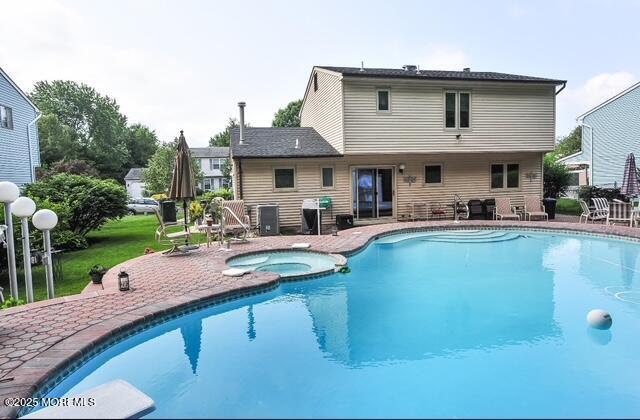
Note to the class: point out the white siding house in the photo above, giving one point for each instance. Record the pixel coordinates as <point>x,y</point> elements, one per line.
<point>133,182</point>
<point>212,161</point>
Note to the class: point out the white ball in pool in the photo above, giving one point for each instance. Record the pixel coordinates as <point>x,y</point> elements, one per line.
<point>600,319</point>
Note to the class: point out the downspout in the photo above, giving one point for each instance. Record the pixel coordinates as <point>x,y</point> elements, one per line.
<point>32,170</point>
<point>590,137</point>
<point>240,178</point>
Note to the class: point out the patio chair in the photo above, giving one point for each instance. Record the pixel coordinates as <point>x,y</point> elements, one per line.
<point>533,207</point>
<point>620,212</point>
<point>601,205</point>
<point>437,211</point>
<point>504,210</point>
<point>635,211</point>
<point>234,219</point>
<point>589,214</point>
<point>173,234</point>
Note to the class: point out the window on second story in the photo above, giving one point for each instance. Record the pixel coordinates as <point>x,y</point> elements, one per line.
<point>457,109</point>
<point>216,164</point>
<point>384,100</point>
<point>6,117</point>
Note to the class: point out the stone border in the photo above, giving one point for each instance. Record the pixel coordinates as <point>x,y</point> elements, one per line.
<point>34,374</point>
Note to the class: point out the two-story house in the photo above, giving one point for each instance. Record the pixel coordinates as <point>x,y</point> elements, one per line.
<point>212,161</point>
<point>610,131</point>
<point>19,144</point>
<point>379,140</point>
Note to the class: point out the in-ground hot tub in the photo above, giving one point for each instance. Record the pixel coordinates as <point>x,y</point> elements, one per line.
<point>287,263</point>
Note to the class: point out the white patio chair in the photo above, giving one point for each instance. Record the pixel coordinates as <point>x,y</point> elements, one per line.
<point>172,234</point>
<point>620,212</point>
<point>504,210</point>
<point>589,214</point>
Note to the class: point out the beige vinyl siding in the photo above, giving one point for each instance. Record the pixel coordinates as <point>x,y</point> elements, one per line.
<point>504,117</point>
<point>465,174</point>
<point>322,109</point>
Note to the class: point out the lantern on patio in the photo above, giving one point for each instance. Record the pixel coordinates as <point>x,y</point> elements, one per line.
<point>123,281</point>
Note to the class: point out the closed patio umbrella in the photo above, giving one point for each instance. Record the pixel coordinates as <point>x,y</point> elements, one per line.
<point>630,186</point>
<point>183,185</point>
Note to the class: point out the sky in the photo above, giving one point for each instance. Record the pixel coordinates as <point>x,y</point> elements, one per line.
<point>184,65</point>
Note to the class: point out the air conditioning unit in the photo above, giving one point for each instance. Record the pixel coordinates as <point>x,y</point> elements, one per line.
<point>268,219</point>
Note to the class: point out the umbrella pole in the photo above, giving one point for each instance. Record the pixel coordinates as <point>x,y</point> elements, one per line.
<point>186,221</point>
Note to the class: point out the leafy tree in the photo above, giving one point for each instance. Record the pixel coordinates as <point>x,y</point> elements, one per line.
<point>157,175</point>
<point>73,167</point>
<point>226,172</point>
<point>556,177</point>
<point>288,116</point>
<point>57,140</point>
<point>142,143</point>
<point>82,203</point>
<point>99,127</point>
<point>569,144</point>
<point>223,138</point>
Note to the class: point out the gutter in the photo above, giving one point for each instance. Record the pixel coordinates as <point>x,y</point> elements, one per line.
<point>564,85</point>
<point>31,168</point>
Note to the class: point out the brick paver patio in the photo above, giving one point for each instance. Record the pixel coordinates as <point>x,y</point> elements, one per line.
<point>38,340</point>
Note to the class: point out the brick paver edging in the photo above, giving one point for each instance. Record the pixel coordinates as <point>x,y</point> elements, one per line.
<point>39,341</point>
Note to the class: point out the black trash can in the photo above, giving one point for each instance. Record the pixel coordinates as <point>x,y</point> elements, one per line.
<point>550,207</point>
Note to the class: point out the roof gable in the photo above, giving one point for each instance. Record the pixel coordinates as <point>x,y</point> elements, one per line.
<point>608,101</point>
<point>17,88</point>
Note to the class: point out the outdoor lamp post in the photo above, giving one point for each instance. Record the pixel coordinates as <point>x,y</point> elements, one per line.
<point>24,207</point>
<point>9,192</point>
<point>45,220</point>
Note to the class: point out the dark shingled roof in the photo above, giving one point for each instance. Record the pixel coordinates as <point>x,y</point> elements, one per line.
<point>134,173</point>
<point>276,142</point>
<point>210,152</point>
<point>439,75</point>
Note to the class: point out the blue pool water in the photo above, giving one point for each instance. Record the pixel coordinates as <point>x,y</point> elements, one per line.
<point>467,324</point>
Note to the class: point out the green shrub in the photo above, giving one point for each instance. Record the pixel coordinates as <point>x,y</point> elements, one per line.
<point>556,177</point>
<point>11,302</point>
<point>160,197</point>
<point>82,204</point>
<point>224,193</point>
<point>587,192</point>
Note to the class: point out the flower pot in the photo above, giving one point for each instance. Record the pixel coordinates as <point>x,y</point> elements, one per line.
<point>97,278</point>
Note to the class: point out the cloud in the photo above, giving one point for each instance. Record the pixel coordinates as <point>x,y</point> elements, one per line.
<point>574,101</point>
<point>445,58</point>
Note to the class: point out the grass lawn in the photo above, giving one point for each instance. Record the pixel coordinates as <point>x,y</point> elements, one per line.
<point>117,241</point>
<point>568,206</point>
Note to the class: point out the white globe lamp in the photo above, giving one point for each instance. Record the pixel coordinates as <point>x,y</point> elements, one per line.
<point>9,192</point>
<point>24,207</point>
<point>599,319</point>
<point>45,220</point>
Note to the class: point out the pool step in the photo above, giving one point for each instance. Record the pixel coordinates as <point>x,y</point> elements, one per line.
<point>487,239</point>
<point>463,236</point>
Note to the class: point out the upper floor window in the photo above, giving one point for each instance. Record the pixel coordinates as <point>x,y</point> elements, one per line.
<point>6,117</point>
<point>505,175</point>
<point>457,109</point>
<point>315,82</point>
<point>216,163</point>
<point>384,100</point>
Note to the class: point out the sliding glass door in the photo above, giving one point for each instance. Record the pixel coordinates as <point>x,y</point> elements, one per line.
<point>372,192</point>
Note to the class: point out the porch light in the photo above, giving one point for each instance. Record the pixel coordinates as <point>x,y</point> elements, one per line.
<point>401,168</point>
<point>123,281</point>
<point>24,207</point>
<point>45,220</point>
<point>9,192</point>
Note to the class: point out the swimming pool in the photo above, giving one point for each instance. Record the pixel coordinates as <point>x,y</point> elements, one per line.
<point>445,324</point>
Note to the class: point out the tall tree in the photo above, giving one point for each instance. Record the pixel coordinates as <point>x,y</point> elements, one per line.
<point>223,138</point>
<point>98,126</point>
<point>569,144</point>
<point>157,174</point>
<point>288,116</point>
<point>142,143</point>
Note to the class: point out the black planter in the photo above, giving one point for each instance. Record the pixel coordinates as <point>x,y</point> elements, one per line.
<point>96,278</point>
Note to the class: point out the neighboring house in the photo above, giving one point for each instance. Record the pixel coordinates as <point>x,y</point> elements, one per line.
<point>19,144</point>
<point>134,183</point>
<point>378,140</point>
<point>212,161</point>
<point>610,131</point>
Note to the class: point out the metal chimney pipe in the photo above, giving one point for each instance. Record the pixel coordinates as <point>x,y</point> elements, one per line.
<point>241,105</point>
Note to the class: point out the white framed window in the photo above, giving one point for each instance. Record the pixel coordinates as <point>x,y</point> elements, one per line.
<point>433,174</point>
<point>284,178</point>
<point>505,176</point>
<point>326,177</point>
<point>383,100</point>
<point>6,117</point>
<point>215,163</point>
<point>457,110</point>
<point>206,184</point>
